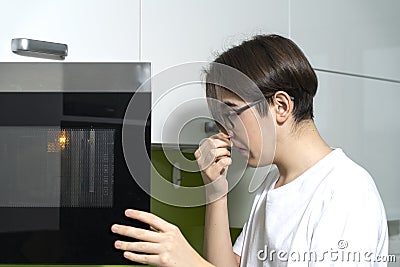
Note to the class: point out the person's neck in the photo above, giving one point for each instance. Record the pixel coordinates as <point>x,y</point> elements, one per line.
<point>298,152</point>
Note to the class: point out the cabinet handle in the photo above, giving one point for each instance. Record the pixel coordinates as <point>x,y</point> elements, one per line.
<point>42,49</point>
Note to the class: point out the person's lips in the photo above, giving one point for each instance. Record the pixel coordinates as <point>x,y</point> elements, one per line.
<point>243,151</point>
<point>241,148</point>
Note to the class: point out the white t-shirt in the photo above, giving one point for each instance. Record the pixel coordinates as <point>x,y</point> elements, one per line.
<point>331,215</point>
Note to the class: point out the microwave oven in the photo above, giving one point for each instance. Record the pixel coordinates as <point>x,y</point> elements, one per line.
<point>63,176</point>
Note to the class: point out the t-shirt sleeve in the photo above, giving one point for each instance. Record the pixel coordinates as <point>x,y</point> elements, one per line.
<point>352,224</point>
<point>238,246</point>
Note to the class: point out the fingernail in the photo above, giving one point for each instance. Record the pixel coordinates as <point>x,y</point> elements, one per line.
<point>118,244</point>
<point>114,228</point>
<point>128,212</point>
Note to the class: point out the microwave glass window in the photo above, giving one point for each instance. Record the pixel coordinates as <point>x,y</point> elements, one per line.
<point>87,167</point>
<point>54,167</point>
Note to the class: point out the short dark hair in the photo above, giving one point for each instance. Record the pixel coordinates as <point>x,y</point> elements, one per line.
<point>274,63</point>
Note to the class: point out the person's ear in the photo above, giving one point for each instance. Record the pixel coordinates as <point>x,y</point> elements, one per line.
<point>283,106</point>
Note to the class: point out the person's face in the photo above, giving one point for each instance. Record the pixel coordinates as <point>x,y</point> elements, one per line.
<point>253,135</point>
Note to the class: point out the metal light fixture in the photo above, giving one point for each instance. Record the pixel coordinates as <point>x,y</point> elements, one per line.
<point>40,49</point>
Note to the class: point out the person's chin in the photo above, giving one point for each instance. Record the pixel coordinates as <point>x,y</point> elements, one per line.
<point>252,162</point>
<point>255,162</point>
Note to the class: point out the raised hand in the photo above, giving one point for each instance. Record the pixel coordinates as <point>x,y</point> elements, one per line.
<point>213,158</point>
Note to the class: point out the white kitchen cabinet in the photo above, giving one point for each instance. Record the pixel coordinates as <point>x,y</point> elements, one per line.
<point>94,30</point>
<point>175,32</point>
<point>358,36</point>
<point>361,116</point>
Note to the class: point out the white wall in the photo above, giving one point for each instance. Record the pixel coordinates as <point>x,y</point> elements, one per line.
<point>94,30</point>
<point>357,36</point>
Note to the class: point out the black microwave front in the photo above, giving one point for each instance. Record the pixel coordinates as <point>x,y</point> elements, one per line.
<point>63,176</point>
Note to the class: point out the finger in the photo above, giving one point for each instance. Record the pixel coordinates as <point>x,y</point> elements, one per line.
<point>214,154</point>
<point>143,247</point>
<point>138,233</point>
<point>220,135</point>
<point>220,142</point>
<point>221,152</point>
<point>222,165</point>
<point>212,157</point>
<point>153,229</point>
<point>150,219</point>
<point>219,167</point>
<point>142,258</point>
<point>216,141</point>
<point>211,144</point>
<point>224,162</point>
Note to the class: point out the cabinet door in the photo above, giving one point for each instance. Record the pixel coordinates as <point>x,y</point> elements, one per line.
<point>94,30</point>
<point>358,36</point>
<point>361,116</point>
<point>175,32</point>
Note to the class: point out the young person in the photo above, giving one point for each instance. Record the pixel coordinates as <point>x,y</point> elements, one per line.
<point>316,206</point>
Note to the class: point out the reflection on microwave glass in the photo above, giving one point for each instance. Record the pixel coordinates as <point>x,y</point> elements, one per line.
<point>54,167</point>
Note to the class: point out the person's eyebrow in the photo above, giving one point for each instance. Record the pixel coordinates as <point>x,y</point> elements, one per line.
<point>230,104</point>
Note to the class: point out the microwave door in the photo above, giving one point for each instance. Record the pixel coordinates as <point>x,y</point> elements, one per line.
<point>63,176</point>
